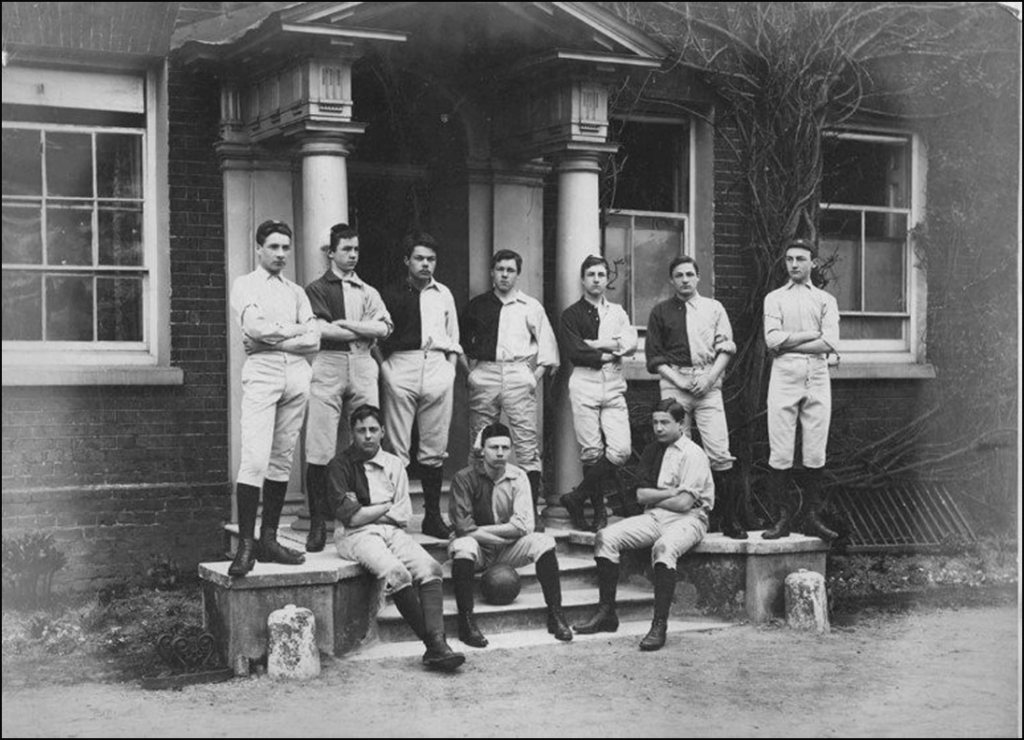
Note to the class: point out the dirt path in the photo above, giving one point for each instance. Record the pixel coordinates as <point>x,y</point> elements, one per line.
<point>938,673</point>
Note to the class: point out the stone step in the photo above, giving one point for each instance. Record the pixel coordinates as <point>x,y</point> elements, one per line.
<point>678,629</point>
<point>527,612</point>
<point>568,541</point>
<point>575,573</point>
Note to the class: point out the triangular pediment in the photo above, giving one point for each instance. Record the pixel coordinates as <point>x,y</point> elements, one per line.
<point>519,34</point>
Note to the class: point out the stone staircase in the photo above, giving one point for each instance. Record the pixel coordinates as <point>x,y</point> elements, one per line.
<point>521,622</point>
<point>741,579</point>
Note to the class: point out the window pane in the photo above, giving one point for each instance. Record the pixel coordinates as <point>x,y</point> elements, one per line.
<point>69,165</point>
<point>841,268</point>
<point>870,327</point>
<point>120,235</point>
<point>22,163</point>
<point>650,170</point>
<point>885,262</point>
<point>23,241</point>
<point>616,246</point>
<point>656,242</point>
<point>119,309</point>
<point>868,173</point>
<point>23,306</point>
<point>118,166</point>
<point>844,224</point>
<point>69,308</point>
<point>68,236</point>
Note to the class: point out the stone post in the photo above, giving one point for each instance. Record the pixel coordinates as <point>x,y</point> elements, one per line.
<point>292,652</point>
<point>806,603</point>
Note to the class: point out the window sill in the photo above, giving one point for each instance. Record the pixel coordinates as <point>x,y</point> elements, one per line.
<point>882,370</point>
<point>15,375</point>
<point>635,369</point>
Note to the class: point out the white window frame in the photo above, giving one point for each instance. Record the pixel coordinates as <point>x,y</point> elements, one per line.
<point>685,217</point>
<point>114,363</point>
<point>871,354</point>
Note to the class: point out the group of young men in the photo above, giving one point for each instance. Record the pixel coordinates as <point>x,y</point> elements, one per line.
<point>505,344</point>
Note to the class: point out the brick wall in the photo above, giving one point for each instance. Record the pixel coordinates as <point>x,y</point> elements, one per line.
<point>120,474</point>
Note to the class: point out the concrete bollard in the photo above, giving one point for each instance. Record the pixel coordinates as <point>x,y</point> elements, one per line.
<point>293,652</point>
<point>806,603</point>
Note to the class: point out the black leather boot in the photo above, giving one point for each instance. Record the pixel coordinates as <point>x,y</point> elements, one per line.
<point>462,577</point>
<point>551,585</point>
<point>269,550</point>
<point>433,524</point>
<point>439,655</point>
<point>664,589</point>
<point>726,502</point>
<point>316,494</point>
<point>535,490</point>
<point>813,525</point>
<point>407,601</point>
<point>248,499</point>
<point>605,619</point>
<point>781,497</point>
<point>245,558</point>
<point>573,501</point>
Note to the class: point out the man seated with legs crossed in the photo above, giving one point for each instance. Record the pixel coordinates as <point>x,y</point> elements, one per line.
<point>492,512</point>
<point>369,493</point>
<point>675,485</point>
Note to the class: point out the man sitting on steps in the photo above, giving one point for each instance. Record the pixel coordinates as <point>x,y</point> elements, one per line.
<point>368,490</point>
<point>492,512</point>
<point>675,484</point>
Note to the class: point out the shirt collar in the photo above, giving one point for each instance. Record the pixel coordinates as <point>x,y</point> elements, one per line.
<point>379,458</point>
<point>267,274</point>
<point>692,300</point>
<point>481,470</point>
<point>432,284</point>
<point>790,285</point>
<point>351,278</point>
<point>516,297</point>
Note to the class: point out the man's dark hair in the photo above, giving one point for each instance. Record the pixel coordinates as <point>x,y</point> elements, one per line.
<point>802,244</point>
<point>365,412</point>
<point>684,260</point>
<point>497,429</point>
<point>339,232</point>
<point>415,239</point>
<point>507,254</point>
<point>592,260</point>
<point>672,407</point>
<point>270,226</point>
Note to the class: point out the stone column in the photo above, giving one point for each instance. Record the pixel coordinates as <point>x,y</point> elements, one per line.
<point>324,199</point>
<point>578,234</point>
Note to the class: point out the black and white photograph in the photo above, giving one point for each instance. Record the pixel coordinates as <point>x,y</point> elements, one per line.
<point>511,369</point>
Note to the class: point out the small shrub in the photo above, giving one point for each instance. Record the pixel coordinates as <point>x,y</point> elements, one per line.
<point>29,564</point>
<point>163,573</point>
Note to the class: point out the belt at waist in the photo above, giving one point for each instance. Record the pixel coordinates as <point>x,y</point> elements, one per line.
<point>788,355</point>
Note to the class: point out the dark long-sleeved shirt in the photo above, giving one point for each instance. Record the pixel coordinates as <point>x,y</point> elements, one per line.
<point>583,320</point>
<point>513,330</point>
<point>333,297</point>
<point>693,341</point>
<point>424,319</point>
<point>353,481</point>
<point>477,501</point>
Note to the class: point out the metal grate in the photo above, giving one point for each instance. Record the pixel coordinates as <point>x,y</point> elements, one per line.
<point>902,515</point>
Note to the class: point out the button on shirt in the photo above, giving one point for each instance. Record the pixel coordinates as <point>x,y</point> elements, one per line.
<point>423,319</point>
<point>266,305</point>
<point>479,501</point>
<point>796,308</point>
<point>583,320</point>
<point>372,481</point>
<point>685,465</point>
<point>514,329</point>
<point>699,324</point>
<point>333,297</point>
